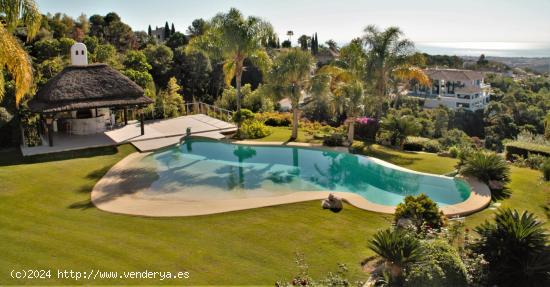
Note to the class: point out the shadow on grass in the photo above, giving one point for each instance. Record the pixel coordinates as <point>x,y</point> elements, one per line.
<point>129,181</point>
<point>83,205</point>
<point>501,194</point>
<point>396,159</point>
<point>14,157</point>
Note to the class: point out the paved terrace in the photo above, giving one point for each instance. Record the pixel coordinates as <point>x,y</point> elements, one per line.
<point>158,134</point>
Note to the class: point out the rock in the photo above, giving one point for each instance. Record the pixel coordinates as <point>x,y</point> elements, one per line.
<point>495,185</point>
<point>405,223</point>
<point>333,203</point>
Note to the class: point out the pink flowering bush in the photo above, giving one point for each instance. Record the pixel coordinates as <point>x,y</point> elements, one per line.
<point>366,128</point>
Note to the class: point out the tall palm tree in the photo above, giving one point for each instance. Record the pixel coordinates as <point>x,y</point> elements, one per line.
<point>517,248</point>
<point>397,248</point>
<point>12,55</point>
<point>347,93</point>
<point>290,76</point>
<point>389,58</point>
<point>234,38</point>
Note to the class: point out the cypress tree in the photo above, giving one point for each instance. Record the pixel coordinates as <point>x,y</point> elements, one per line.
<point>166,31</point>
<point>149,32</point>
<point>313,44</point>
<point>173,30</point>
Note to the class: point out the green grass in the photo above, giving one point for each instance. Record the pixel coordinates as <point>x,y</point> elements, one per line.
<point>282,134</point>
<point>48,222</point>
<point>424,162</point>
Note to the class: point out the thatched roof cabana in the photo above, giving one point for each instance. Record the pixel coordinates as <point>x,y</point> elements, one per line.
<point>87,87</point>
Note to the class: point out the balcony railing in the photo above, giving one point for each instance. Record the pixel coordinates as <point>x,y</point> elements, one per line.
<point>210,110</point>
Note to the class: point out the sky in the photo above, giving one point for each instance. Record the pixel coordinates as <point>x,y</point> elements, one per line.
<point>343,20</point>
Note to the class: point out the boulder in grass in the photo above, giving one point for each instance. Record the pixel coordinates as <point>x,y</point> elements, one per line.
<point>496,185</point>
<point>333,203</point>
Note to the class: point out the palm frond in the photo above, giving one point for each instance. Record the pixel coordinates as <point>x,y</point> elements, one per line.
<point>17,62</point>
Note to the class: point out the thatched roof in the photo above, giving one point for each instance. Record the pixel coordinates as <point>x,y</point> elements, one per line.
<point>86,87</point>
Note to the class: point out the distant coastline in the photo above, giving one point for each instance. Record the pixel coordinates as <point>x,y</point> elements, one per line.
<point>494,49</point>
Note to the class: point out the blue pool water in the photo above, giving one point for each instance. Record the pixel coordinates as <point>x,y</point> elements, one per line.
<point>210,169</point>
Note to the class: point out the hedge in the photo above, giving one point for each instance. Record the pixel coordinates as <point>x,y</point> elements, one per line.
<point>523,149</point>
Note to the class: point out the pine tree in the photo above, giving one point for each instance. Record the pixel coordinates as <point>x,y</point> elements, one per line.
<point>149,32</point>
<point>166,31</point>
<point>173,30</point>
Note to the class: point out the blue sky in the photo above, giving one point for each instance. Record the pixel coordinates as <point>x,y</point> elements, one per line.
<point>342,20</point>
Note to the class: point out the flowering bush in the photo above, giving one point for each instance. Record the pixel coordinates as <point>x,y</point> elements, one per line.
<point>366,128</point>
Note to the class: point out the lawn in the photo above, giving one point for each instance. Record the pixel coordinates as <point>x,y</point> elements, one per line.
<point>282,134</point>
<point>48,222</point>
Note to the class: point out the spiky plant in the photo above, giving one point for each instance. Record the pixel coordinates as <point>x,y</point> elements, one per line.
<point>12,55</point>
<point>397,248</point>
<point>486,166</point>
<point>517,248</point>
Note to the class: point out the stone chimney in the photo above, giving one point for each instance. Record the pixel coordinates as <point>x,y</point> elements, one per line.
<point>79,55</point>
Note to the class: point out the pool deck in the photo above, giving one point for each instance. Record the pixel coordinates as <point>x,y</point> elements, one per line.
<point>158,134</point>
<point>113,195</point>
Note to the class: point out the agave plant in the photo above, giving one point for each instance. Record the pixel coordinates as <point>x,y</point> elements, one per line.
<point>486,166</point>
<point>517,248</point>
<point>398,249</point>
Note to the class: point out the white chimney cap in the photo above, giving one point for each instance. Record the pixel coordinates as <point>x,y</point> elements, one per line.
<point>79,55</point>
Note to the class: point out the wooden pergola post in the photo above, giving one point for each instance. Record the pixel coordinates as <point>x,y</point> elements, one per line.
<point>125,116</point>
<point>49,123</point>
<point>142,121</point>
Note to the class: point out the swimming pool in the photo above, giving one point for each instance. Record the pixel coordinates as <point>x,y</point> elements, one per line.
<point>204,169</point>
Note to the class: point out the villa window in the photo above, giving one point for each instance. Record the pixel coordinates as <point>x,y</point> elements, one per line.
<point>76,52</point>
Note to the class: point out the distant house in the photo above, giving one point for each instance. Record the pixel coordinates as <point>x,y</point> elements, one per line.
<point>158,34</point>
<point>454,89</point>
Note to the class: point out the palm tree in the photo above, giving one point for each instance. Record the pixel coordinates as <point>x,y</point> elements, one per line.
<point>389,58</point>
<point>290,76</point>
<point>486,166</point>
<point>517,248</point>
<point>400,128</point>
<point>234,38</point>
<point>347,93</point>
<point>12,55</point>
<point>397,248</point>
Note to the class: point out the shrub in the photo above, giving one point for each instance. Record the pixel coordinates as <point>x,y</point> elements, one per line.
<point>545,169</point>
<point>455,137</point>
<point>421,210</point>
<point>516,246</point>
<point>335,139</point>
<point>275,119</point>
<point>432,146</point>
<point>398,248</point>
<point>453,151</point>
<point>366,128</point>
<point>253,129</point>
<point>486,166</point>
<point>244,115</point>
<point>415,143</point>
<point>5,117</point>
<point>441,266</point>
<point>523,149</point>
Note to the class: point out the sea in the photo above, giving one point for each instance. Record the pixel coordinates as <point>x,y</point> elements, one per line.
<point>495,49</point>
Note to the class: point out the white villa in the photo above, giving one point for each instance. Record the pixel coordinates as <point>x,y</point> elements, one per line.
<point>454,89</point>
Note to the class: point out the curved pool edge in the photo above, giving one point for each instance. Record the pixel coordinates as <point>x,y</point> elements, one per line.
<point>123,202</point>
